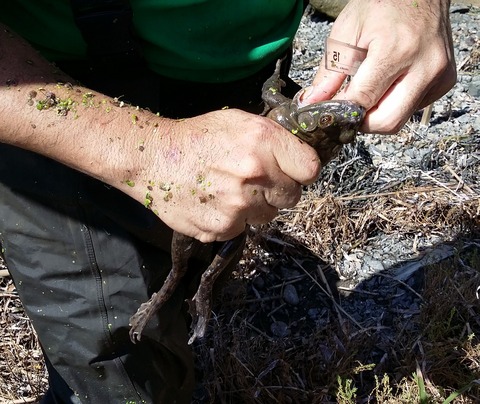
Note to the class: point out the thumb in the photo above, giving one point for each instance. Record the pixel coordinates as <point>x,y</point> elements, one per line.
<point>296,158</point>
<point>324,86</point>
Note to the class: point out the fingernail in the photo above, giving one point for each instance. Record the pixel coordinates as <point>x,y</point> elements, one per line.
<point>305,95</point>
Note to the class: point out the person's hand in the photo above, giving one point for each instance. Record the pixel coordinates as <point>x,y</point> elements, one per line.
<point>409,63</point>
<point>208,176</point>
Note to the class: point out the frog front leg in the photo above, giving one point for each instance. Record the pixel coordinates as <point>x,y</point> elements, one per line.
<point>272,90</point>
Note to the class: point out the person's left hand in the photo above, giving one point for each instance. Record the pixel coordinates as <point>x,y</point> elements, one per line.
<point>409,63</point>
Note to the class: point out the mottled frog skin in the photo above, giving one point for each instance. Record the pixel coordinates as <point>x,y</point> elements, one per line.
<point>325,126</point>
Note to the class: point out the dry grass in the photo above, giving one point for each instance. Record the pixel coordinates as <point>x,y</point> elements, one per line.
<point>425,352</point>
<point>331,223</point>
<point>386,340</point>
<point>22,373</point>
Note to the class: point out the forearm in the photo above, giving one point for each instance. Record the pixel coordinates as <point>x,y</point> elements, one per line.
<point>42,111</point>
<point>205,176</point>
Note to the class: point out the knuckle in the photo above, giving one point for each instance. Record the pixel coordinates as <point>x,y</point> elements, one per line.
<point>446,75</point>
<point>250,167</point>
<point>223,230</point>
<point>385,125</point>
<point>284,197</point>
<point>367,95</point>
<point>313,167</point>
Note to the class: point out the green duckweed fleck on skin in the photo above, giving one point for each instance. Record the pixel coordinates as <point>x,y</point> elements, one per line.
<point>148,200</point>
<point>87,99</point>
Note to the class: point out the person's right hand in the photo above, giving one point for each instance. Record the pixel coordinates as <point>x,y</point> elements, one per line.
<point>209,176</point>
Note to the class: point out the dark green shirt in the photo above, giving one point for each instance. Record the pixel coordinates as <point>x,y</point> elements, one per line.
<point>196,40</point>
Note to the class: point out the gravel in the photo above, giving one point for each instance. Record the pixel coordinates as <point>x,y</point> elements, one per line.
<point>419,152</point>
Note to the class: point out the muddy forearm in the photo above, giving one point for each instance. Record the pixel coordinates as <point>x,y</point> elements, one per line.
<point>42,111</point>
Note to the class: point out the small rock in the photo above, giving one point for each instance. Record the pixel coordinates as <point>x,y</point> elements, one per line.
<point>474,87</point>
<point>373,265</point>
<point>280,329</point>
<point>313,313</point>
<point>290,295</point>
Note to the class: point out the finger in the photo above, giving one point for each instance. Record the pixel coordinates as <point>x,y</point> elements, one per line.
<point>324,86</point>
<point>295,158</point>
<point>395,107</point>
<point>438,88</point>
<point>283,196</point>
<point>217,226</point>
<point>373,79</point>
<point>263,215</point>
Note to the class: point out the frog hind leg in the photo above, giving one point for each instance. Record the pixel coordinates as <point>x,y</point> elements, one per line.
<point>200,306</point>
<point>182,247</point>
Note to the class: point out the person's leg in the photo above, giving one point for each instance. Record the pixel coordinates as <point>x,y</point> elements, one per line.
<point>81,274</point>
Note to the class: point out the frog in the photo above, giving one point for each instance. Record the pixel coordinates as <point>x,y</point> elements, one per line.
<point>326,126</point>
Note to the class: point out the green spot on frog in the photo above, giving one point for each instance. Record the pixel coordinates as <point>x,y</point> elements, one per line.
<point>130,183</point>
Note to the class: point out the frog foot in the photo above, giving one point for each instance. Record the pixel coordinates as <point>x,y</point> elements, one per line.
<point>181,250</point>
<point>200,309</point>
<point>200,306</point>
<point>143,315</point>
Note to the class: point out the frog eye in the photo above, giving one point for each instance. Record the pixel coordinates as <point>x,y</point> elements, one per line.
<point>325,120</point>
